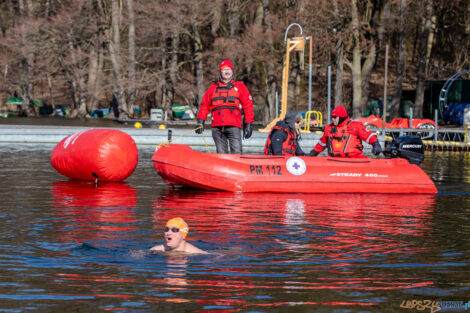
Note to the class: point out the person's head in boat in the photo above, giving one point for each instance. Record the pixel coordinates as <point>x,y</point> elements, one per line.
<point>226,71</point>
<point>176,231</point>
<point>339,115</point>
<point>293,120</point>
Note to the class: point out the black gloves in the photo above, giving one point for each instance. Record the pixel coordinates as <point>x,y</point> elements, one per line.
<point>200,126</point>
<point>313,153</point>
<point>248,131</point>
<point>376,149</point>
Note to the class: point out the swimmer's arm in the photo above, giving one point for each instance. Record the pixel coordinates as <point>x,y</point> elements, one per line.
<point>158,248</point>
<point>193,249</point>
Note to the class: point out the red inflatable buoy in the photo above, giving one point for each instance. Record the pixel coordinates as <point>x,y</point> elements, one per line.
<point>102,154</point>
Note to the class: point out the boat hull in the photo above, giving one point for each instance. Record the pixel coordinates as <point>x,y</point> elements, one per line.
<point>180,165</point>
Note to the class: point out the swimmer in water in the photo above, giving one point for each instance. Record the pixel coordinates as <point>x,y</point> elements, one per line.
<point>176,231</point>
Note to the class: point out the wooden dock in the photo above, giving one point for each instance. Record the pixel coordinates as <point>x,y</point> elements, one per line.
<point>430,145</point>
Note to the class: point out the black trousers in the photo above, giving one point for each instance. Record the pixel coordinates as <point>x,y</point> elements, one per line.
<point>225,136</point>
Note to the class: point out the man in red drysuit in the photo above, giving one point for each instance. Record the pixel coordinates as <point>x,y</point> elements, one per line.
<point>343,137</point>
<point>228,100</point>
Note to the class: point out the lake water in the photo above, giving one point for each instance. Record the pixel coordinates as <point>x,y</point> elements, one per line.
<point>69,246</point>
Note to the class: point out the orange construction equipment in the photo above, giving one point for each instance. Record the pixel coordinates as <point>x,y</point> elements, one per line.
<point>294,44</point>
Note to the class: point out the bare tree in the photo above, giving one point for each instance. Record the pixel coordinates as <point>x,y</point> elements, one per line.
<point>114,47</point>
<point>131,67</point>
<point>157,53</point>
<point>271,85</point>
<point>394,109</point>
<point>27,58</point>
<point>234,17</point>
<point>355,66</point>
<point>424,45</point>
<point>216,14</point>
<point>339,58</point>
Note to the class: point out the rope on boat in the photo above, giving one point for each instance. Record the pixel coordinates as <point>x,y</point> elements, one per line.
<point>184,134</point>
<point>205,142</point>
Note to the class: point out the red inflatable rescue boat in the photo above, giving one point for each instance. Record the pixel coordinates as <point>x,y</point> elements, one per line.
<point>180,165</point>
<point>96,154</point>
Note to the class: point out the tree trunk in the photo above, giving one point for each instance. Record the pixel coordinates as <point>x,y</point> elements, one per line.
<point>467,21</point>
<point>257,21</point>
<point>131,66</point>
<point>95,66</point>
<point>339,61</point>
<point>92,80</point>
<point>395,107</point>
<point>172,70</point>
<point>198,49</point>
<point>51,96</point>
<point>234,18</point>
<point>356,62</point>
<point>422,50</point>
<point>27,86</point>
<point>114,50</point>
<point>430,40</point>
<point>270,68</point>
<point>339,75</point>
<point>294,83</point>
<point>371,59</point>
<point>78,82</point>
<point>216,14</point>
<point>366,72</point>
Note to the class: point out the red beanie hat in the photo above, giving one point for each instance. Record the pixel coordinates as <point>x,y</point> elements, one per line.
<point>225,63</point>
<point>339,111</point>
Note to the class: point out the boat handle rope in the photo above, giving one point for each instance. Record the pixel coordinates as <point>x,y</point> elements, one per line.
<point>184,134</point>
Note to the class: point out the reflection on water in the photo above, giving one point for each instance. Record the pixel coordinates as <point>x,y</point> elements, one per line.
<point>322,235</point>
<point>94,213</point>
<point>74,246</point>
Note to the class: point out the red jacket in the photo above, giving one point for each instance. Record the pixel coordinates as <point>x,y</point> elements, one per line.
<point>227,102</point>
<point>288,146</point>
<point>345,140</point>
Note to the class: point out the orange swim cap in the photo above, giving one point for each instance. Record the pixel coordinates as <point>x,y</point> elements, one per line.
<point>180,223</point>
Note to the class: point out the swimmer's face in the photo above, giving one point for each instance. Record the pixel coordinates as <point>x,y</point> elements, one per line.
<point>173,236</point>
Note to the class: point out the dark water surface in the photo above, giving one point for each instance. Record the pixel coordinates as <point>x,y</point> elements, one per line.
<point>70,247</point>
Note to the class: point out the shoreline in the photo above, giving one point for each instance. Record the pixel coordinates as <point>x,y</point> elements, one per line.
<point>53,134</point>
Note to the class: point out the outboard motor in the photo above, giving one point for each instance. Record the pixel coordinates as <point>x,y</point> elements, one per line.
<point>407,147</point>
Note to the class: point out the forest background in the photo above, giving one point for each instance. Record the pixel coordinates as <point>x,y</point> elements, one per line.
<point>157,53</point>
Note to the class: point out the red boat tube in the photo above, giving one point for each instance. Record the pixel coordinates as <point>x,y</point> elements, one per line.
<point>180,165</point>
<point>96,154</point>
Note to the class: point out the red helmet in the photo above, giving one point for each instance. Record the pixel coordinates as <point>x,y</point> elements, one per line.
<point>225,63</point>
<point>339,111</point>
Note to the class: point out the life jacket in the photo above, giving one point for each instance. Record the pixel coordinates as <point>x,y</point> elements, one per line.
<point>226,97</point>
<point>341,143</point>
<point>288,146</point>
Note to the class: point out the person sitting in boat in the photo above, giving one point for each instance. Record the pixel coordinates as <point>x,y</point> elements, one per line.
<point>283,138</point>
<point>343,137</point>
<point>176,231</point>
<point>227,100</point>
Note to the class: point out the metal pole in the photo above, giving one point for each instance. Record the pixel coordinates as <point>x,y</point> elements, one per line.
<point>277,104</point>
<point>285,80</point>
<point>384,114</point>
<point>310,73</point>
<point>411,117</point>
<point>435,122</point>
<point>287,30</point>
<point>329,95</point>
